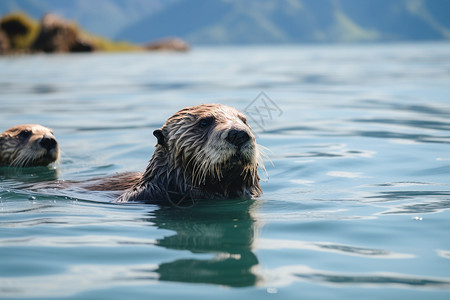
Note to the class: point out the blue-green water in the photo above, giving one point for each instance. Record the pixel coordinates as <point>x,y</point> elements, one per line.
<point>356,198</point>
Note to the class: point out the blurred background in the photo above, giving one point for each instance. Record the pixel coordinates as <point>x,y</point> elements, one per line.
<point>201,22</point>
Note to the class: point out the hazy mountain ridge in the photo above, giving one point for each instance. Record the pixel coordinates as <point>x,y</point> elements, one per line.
<point>103,17</point>
<point>253,21</point>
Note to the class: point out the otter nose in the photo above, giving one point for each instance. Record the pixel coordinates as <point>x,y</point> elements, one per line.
<point>48,143</point>
<point>237,137</point>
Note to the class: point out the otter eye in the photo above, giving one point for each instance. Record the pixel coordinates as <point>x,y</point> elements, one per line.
<point>24,134</point>
<point>206,122</point>
<point>244,120</point>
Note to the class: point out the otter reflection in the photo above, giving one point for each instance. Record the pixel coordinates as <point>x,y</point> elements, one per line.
<point>27,177</point>
<point>225,230</point>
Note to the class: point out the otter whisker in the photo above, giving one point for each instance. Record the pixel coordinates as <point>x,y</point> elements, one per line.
<point>30,158</point>
<point>197,168</point>
<point>22,160</point>
<point>195,158</point>
<point>194,167</point>
<point>261,157</point>
<point>17,163</point>
<point>218,171</point>
<point>202,171</point>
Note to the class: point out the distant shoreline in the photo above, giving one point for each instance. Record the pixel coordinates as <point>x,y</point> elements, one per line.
<point>21,34</point>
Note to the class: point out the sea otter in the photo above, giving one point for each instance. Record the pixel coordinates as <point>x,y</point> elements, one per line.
<point>203,152</point>
<point>28,145</point>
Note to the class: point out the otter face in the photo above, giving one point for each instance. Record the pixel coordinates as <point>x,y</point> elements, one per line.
<point>27,146</point>
<point>211,141</point>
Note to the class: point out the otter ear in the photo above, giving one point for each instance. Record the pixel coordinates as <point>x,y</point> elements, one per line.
<point>160,136</point>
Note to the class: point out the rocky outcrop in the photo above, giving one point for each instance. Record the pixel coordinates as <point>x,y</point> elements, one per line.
<point>14,30</point>
<point>168,44</point>
<point>4,43</point>
<point>59,35</point>
<point>21,34</point>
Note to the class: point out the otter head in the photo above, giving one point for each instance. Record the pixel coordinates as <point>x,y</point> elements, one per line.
<point>214,147</point>
<point>28,145</point>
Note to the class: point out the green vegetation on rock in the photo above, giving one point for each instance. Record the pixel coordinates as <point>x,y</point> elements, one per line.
<point>19,33</point>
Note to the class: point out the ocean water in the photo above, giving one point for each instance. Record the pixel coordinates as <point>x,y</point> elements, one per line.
<point>356,197</point>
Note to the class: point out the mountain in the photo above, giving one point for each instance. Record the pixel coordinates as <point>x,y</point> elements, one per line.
<point>296,21</point>
<point>253,21</point>
<point>102,17</point>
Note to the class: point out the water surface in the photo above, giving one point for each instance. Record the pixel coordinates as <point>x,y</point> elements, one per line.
<point>356,197</point>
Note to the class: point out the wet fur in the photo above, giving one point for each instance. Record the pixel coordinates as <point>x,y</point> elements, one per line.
<point>194,162</point>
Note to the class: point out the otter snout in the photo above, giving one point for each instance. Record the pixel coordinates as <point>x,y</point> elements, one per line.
<point>48,143</point>
<point>237,137</point>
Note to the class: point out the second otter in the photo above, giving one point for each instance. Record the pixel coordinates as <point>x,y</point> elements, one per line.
<point>28,145</point>
<point>203,152</point>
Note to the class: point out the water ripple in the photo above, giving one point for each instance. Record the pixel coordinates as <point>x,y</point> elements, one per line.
<point>387,196</point>
<point>330,247</point>
<point>285,275</point>
<point>76,241</point>
<point>419,208</point>
<point>387,135</point>
<point>360,150</point>
<point>87,277</point>
<point>421,124</point>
